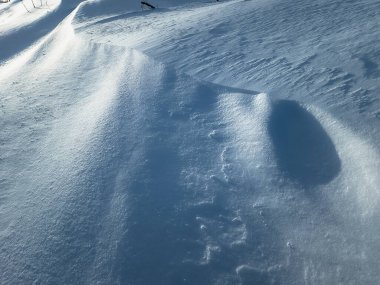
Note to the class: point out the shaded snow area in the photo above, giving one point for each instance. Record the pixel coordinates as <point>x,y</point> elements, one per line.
<point>231,142</point>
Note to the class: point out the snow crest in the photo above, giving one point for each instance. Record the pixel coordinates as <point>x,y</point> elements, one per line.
<point>124,160</point>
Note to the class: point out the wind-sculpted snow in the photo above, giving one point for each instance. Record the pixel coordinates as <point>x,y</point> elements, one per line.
<point>304,149</point>
<point>116,168</point>
<point>320,52</point>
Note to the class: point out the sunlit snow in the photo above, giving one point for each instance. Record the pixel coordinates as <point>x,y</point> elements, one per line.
<point>201,142</point>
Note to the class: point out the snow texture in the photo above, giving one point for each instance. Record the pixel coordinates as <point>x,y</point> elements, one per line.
<point>231,142</point>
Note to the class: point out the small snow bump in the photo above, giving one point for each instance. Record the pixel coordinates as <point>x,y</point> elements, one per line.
<point>215,135</point>
<point>290,245</point>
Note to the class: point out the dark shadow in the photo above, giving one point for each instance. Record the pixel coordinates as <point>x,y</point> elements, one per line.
<point>303,149</point>
<point>228,89</point>
<point>371,68</point>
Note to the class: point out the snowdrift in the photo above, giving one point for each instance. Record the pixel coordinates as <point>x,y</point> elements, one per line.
<point>124,167</point>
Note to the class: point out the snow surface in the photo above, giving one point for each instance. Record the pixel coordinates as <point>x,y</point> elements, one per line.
<point>232,142</point>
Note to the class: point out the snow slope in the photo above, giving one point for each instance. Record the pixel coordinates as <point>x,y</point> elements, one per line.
<point>203,143</point>
<point>16,14</point>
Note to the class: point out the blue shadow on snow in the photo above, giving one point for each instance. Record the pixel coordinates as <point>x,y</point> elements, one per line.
<point>304,151</point>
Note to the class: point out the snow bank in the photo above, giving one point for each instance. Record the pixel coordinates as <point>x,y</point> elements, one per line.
<point>116,168</point>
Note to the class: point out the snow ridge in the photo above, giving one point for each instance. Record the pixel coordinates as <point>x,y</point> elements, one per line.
<point>119,169</point>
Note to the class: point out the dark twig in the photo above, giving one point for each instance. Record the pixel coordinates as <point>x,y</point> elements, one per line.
<point>26,7</point>
<point>147,4</point>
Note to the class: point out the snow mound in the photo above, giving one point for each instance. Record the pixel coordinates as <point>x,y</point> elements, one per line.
<point>121,167</point>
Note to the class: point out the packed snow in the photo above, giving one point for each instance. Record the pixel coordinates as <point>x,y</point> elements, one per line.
<point>201,142</point>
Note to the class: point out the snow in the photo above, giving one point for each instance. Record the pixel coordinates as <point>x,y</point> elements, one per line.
<point>231,142</point>
<point>15,15</point>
